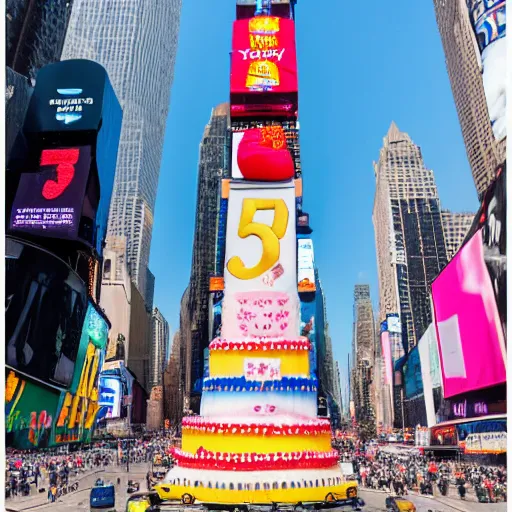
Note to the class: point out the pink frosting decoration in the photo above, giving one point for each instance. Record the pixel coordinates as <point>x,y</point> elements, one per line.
<point>261,344</point>
<point>260,314</point>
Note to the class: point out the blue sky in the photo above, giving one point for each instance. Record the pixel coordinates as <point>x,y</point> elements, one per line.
<point>356,74</point>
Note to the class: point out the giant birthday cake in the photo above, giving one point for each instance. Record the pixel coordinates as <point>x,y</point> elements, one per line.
<point>258,438</point>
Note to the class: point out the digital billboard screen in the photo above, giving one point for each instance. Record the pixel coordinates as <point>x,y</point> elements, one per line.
<point>110,396</point>
<point>470,337</point>
<point>49,202</point>
<point>412,374</point>
<point>264,56</point>
<point>386,354</point>
<point>45,310</point>
<point>306,265</point>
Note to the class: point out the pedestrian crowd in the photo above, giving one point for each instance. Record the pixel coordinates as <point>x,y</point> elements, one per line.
<point>401,472</point>
<point>52,470</point>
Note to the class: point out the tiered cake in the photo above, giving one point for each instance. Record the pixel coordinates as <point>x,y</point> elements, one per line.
<point>258,439</point>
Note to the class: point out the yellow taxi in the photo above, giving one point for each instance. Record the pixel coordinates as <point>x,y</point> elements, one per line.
<point>398,504</point>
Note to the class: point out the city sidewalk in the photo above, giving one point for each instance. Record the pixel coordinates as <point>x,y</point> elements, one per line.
<point>37,499</point>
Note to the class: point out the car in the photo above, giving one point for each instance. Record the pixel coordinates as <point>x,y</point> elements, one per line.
<point>397,504</point>
<point>142,501</point>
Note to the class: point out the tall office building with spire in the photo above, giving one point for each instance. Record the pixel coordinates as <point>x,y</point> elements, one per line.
<point>409,236</point>
<point>363,353</point>
<point>136,42</point>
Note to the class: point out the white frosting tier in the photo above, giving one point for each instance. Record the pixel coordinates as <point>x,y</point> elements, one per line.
<point>206,476</point>
<point>264,404</point>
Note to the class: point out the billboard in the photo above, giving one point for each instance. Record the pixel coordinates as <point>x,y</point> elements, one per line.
<point>216,314</point>
<point>483,437</point>
<point>261,238</point>
<point>30,410</point>
<point>386,354</point>
<point>261,154</point>
<point>73,101</point>
<point>306,265</point>
<point>46,304</point>
<point>264,56</point>
<point>394,325</point>
<point>488,18</point>
<point>110,391</point>
<point>49,202</point>
<point>427,341</point>
<point>492,218</point>
<point>469,332</point>
<point>308,329</point>
<point>412,374</point>
<point>79,406</point>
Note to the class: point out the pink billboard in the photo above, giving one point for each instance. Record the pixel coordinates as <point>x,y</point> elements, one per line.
<point>470,338</point>
<point>386,354</point>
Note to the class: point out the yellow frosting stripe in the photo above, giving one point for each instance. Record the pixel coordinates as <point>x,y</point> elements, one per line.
<point>231,363</point>
<point>207,495</point>
<point>239,443</point>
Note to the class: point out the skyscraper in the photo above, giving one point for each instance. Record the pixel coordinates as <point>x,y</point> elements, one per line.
<point>35,33</point>
<point>136,42</point>
<point>409,237</point>
<point>160,334</point>
<point>455,228</point>
<point>363,353</point>
<point>464,66</point>
<point>213,162</point>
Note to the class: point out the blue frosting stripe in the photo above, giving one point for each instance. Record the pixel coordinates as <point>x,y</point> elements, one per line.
<point>242,384</point>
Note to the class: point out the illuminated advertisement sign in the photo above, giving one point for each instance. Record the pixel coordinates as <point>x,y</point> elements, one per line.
<point>261,238</point>
<point>79,406</point>
<point>412,374</point>
<point>444,436</point>
<point>46,305</point>
<point>71,95</point>
<point>307,328</point>
<point>68,195</point>
<point>424,348</point>
<point>261,261</point>
<point>306,266</point>
<point>394,324</point>
<point>30,411</point>
<point>303,220</point>
<point>264,56</point>
<point>386,354</point>
<point>261,154</point>
<point>110,396</point>
<point>488,18</point>
<point>467,319</point>
<point>483,437</point>
<point>49,202</point>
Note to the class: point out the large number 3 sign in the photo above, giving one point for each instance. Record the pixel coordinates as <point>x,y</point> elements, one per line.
<point>269,236</point>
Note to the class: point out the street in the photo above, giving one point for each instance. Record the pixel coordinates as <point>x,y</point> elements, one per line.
<point>375,501</point>
<point>79,501</point>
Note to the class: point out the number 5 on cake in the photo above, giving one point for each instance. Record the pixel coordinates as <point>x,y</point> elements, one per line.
<point>269,236</point>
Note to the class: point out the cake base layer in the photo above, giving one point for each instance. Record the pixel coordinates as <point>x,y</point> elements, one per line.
<point>261,487</point>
